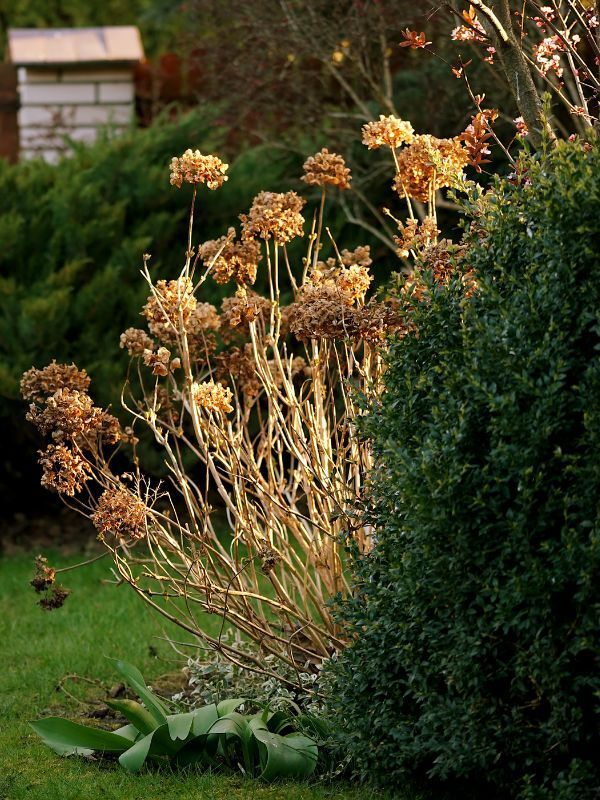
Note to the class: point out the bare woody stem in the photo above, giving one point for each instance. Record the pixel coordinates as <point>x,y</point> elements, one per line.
<point>515,67</point>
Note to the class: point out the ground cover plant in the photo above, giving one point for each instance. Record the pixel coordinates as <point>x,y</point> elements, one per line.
<point>475,659</point>
<point>267,744</point>
<point>40,649</point>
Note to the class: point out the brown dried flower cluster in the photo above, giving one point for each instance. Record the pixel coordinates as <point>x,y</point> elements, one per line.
<point>428,164</point>
<point>444,260</point>
<point>243,308</point>
<point>360,255</point>
<point>193,167</point>
<point>44,575</point>
<point>276,215</point>
<point>322,311</point>
<point>352,283</point>
<point>164,306</point>
<point>375,321</point>
<point>327,315</point>
<point>415,235</point>
<point>67,414</point>
<point>212,397</point>
<point>44,581</point>
<point>39,383</point>
<point>269,559</point>
<point>121,513</point>
<point>387,131</point>
<point>230,259</point>
<point>238,364</point>
<point>325,168</point>
<point>64,471</point>
<point>136,341</point>
<point>161,361</point>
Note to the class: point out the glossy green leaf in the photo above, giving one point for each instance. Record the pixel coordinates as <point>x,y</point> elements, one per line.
<point>227,706</point>
<point>284,757</point>
<point>139,716</point>
<point>134,678</point>
<point>66,737</point>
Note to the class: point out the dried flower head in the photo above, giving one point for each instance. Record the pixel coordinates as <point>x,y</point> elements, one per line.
<point>387,131</point>
<point>269,559</point>
<point>64,471</point>
<point>360,256</point>
<point>164,306</point>
<point>325,168</point>
<point>44,575</point>
<point>428,164</point>
<point>159,361</point>
<point>39,383</point>
<point>121,513</point>
<point>135,341</point>
<point>67,414</point>
<point>230,259</point>
<point>375,321</point>
<point>322,311</point>
<point>212,397</point>
<point>193,167</point>
<point>56,598</point>
<point>415,235</point>
<point>276,215</point>
<point>350,283</point>
<point>243,308</point>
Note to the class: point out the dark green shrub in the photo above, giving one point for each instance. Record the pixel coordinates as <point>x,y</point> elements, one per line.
<point>476,663</point>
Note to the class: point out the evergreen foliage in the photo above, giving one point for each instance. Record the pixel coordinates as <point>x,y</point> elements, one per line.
<point>476,662</point>
<point>73,237</point>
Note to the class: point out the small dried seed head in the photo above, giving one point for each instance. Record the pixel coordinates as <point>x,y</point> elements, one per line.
<point>212,397</point>
<point>37,384</point>
<point>135,341</point>
<point>193,167</point>
<point>64,471</point>
<point>121,513</point>
<point>387,131</point>
<point>325,168</point>
<point>274,215</point>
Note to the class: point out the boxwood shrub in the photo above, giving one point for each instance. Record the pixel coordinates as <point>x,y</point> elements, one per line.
<point>475,664</point>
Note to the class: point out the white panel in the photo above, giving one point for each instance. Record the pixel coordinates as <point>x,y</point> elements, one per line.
<point>55,93</point>
<point>116,92</point>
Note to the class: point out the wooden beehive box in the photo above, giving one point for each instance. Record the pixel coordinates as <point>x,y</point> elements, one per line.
<point>72,82</point>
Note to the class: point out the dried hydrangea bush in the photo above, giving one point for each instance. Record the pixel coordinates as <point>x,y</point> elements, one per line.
<point>264,397</point>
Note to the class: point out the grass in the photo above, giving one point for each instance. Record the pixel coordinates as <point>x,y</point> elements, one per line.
<point>41,647</point>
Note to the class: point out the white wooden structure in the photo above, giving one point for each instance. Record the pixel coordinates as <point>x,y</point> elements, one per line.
<point>72,82</point>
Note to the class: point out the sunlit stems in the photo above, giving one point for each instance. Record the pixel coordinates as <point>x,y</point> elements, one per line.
<point>317,246</point>
<point>406,197</point>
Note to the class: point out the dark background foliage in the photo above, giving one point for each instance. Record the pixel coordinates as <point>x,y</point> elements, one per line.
<point>73,237</point>
<point>476,658</point>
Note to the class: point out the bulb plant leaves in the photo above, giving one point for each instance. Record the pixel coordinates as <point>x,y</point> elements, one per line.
<point>266,745</point>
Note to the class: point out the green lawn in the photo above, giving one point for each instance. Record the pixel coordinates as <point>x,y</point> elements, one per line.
<point>38,648</point>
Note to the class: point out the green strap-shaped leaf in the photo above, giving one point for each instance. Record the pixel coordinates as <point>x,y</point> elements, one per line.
<point>133,760</point>
<point>129,732</point>
<point>139,716</point>
<point>227,706</point>
<point>66,737</point>
<point>291,756</point>
<point>204,719</point>
<point>180,725</point>
<point>134,678</point>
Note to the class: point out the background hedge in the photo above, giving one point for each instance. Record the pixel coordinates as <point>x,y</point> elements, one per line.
<point>73,236</point>
<point>476,663</point>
